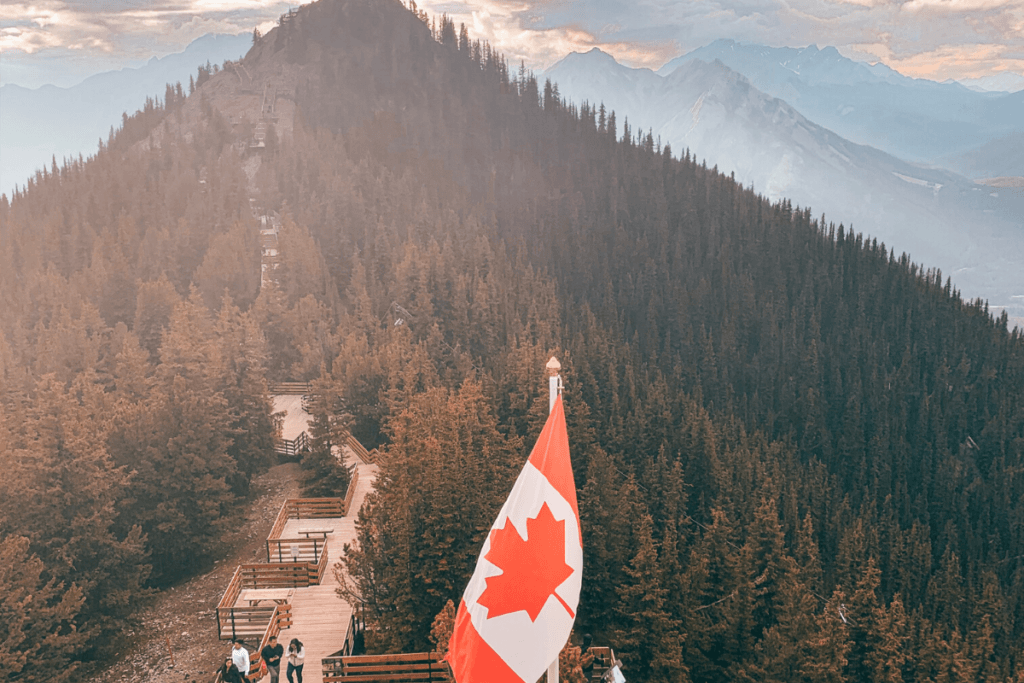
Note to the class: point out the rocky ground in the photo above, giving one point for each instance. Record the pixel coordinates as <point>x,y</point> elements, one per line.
<point>178,639</point>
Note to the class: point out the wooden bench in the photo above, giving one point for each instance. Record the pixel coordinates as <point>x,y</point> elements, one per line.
<point>254,596</point>
<point>419,667</point>
<point>318,532</point>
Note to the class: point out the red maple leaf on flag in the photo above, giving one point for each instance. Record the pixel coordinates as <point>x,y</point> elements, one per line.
<point>531,569</point>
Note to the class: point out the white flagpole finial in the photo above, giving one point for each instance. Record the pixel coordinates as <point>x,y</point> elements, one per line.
<point>554,382</point>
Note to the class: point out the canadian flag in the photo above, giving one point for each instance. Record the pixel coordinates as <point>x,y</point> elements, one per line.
<point>519,607</point>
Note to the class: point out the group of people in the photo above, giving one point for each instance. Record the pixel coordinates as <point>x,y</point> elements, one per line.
<point>236,667</point>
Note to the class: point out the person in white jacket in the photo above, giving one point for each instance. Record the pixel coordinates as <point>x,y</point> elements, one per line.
<point>240,657</point>
<point>296,658</point>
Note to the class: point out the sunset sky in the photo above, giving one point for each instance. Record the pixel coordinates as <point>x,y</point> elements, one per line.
<point>63,41</point>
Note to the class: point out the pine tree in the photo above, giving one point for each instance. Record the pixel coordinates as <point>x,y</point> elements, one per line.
<point>325,474</point>
<point>40,640</point>
<point>648,637</point>
<point>64,492</point>
<point>417,537</point>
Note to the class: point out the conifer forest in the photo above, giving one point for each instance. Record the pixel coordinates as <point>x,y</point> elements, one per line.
<point>799,454</point>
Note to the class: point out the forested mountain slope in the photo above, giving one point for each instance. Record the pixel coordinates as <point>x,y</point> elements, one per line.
<point>939,218</point>
<point>798,454</point>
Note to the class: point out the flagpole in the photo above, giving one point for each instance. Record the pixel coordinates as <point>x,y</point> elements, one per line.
<point>554,385</point>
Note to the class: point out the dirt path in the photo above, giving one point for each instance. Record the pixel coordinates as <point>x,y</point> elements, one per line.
<point>182,620</point>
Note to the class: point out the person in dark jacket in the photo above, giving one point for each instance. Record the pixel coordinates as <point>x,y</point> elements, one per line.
<point>229,673</point>
<point>271,654</point>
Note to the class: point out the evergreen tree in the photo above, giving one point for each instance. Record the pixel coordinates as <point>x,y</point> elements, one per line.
<point>325,474</point>
<point>40,640</point>
<point>648,636</point>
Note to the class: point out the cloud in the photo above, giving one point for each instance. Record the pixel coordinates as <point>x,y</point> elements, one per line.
<point>132,28</point>
<point>520,31</point>
<point>929,38</point>
<point>953,5</point>
<point>27,39</point>
<point>952,61</point>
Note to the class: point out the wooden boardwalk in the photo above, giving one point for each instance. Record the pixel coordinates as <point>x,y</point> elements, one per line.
<point>296,420</point>
<point>320,618</point>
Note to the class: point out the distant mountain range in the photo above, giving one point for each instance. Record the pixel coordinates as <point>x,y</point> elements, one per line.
<point>39,124</point>
<point>722,117</point>
<point>1002,82</point>
<point>940,124</point>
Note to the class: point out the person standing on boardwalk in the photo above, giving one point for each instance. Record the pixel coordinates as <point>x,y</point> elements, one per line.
<point>296,658</point>
<point>271,654</point>
<point>229,673</point>
<point>240,656</point>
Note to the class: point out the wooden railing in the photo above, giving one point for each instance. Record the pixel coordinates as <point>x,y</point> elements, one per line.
<point>306,508</point>
<point>604,658</point>
<point>350,494</point>
<point>419,667</point>
<point>283,574</point>
<point>311,551</point>
<point>321,568</point>
<point>247,622</point>
<point>289,388</point>
<point>293,447</point>
<point>282,519</point>
<point>334,662</point>
<point>314,508</point>
<point>281,550</point>
<point>356,626</point>
<point>230,597</point>
<point>368,457</point>
<point>280,618</point>
<point>244,621</point>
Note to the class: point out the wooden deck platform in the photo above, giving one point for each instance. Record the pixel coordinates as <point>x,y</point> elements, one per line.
<point>315,614</point>
<point>296,420</point>
<point>319,617</point>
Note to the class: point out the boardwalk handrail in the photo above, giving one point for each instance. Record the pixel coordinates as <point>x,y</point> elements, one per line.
<point>280,550</point>
<point>243,622</point>
<point>604,658</point>
<point>235,622</point>
<point>356,625</point>
<point>288,388</point>
<point>280,618</point>
<point>321,567</point>
<point>419,667</point>
<point>292,447</point>
<point>305,508</point>
<point>230,595</point>
<point>368,457</point>
<point>282,574</point>
<point>311,550</point>
<point>351,493</point>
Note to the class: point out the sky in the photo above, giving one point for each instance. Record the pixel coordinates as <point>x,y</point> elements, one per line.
<point>64,41</point>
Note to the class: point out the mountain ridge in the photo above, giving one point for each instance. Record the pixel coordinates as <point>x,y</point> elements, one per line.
<point>919,120</point>
<point>38,124</point>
